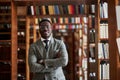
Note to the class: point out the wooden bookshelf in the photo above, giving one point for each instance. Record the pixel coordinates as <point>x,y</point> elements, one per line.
<point>5,40</point>
<point>63,30</point>
<point>103,41</point>
<point>92,46</point>
<point>8,39</point>
<point>18,30</point>
<point>25,36</point>
<point>21,49</point>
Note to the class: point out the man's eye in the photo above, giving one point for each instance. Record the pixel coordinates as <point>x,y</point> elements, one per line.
<point>45,26</point>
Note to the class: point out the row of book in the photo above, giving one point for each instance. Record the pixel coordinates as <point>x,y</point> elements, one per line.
<point>103,10</point>
<point>82,52</point>
<point>60,9</point>
<point>65,20</point>
<point>83,76</point>
<point>103,50</point>
<point>104,71</point>
<point>5,27</point>
<point>82,70</point>
<point>65,27</point>
<point>5,9</point>
<point>103,31</point>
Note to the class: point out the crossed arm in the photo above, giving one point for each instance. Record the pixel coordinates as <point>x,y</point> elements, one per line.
<point>48,65</point>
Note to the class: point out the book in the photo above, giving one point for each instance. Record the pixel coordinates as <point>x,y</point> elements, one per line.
<point>56,9</point>
<point>118,16</point>
<point>92,8</point>
<point>105,9</point>
<point>37,10</point>
<point>92,50</point>
<point>47,10</point>
<point>71,9</point>
<point>65,9</point>
<point>32,10</point>
<point>43,10</point>
<point>103,50</point>
<point>118,44</point>
<point>51,9</point>
<point>81,9</point>
<point>103,31</point>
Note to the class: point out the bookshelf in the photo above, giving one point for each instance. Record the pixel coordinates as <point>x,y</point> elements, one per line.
<point>21,49</point>
<point>64,27</point>
<point>103,41</point>
<point>25,33</point>
<point>92,46</point>
<point>68,35</point>
<point>5,30</point>
<point>20,28</point>
<point>8,28</point>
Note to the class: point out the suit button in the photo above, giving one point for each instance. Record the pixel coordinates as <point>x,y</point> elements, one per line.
<point>54,78</point>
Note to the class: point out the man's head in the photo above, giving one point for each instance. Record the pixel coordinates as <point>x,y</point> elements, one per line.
<point>45,28</point>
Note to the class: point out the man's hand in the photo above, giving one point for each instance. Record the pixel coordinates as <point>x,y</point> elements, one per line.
<point>58,55</point>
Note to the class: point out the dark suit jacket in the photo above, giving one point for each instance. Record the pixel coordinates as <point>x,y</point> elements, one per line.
<point>53,65</point>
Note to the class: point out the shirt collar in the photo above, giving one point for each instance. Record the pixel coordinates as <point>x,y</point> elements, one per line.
<point>42,39</point>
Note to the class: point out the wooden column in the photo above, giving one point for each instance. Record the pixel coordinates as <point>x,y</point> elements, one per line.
<point>14,42</point>
<point>112,39</point>
<point>27,47</point>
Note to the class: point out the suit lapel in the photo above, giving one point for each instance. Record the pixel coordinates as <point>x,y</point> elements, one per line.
<point>40,47</point>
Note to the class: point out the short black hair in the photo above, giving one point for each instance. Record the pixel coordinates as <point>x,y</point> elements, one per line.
<point>43,20</point>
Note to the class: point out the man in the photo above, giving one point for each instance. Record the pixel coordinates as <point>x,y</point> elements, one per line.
<point>48,55</point>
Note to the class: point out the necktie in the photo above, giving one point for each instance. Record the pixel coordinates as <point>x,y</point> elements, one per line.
<point>46,44</point>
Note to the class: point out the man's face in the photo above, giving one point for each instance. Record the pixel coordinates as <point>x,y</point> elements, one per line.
<point>45,29</point>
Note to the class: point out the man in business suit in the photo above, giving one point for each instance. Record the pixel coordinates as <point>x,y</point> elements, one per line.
<point>47,55</point>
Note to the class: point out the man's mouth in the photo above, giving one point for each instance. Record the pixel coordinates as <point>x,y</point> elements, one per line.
<point>45,32</point>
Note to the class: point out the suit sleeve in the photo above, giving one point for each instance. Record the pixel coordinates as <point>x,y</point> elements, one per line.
<point>32,60</point>
<point>60,61</point>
